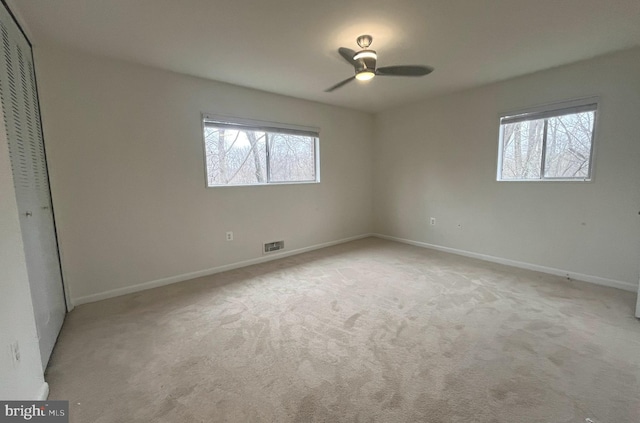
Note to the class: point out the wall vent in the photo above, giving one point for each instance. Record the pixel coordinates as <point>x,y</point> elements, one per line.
<point>270,247</point>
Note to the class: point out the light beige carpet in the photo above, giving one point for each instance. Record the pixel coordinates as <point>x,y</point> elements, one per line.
<point>369,331</point>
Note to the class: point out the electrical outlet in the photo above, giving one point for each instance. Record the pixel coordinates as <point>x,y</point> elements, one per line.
<point>229,236</point>
<point>432,221</point>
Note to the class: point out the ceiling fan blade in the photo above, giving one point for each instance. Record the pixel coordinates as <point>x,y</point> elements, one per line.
<point>347,54</point>
<point>339,84</point>
<point>404,70</point>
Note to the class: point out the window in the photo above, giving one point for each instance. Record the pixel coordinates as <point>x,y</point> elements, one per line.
<point>554,143</point>
<point>243,152</point>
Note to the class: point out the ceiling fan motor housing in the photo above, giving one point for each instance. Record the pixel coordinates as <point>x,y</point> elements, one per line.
<point>365,59</point>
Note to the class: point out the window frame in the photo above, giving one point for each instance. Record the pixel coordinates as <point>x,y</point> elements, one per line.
<point>545,112</point>
<point>265,126</point>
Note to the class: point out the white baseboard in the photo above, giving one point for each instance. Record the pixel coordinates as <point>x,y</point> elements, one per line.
<point>187,276</point>
<point>626,286</point>
<point>43,392</point>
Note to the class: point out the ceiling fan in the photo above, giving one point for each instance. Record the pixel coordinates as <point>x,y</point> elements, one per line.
<point>364,63</point>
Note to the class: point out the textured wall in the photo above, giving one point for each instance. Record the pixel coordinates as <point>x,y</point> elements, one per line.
<point>438,158</point>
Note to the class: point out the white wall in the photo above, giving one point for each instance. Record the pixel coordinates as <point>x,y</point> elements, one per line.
<point>126,162</point>
<point>23,379</point>
<point>438,158</point>
<point>125,152</point>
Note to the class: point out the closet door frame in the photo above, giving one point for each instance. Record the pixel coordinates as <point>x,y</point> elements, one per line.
<point>67,298</point>
<point>23,131</point>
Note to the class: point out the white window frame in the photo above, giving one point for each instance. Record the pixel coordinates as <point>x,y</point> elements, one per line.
<point>548,111</point>
<point>266,126</point>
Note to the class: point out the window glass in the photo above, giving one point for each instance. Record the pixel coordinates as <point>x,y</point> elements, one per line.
<point>522,149</point>
<point>569,145</point>
<point>291,158</point>
<point>555,144</point>
<point>257,154</point>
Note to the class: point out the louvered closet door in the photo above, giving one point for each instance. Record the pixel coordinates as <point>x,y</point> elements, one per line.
<point>26,149</point>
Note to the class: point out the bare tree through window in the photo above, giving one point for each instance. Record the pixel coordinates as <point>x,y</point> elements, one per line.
<point>250,156</point>
<point>548,145</point>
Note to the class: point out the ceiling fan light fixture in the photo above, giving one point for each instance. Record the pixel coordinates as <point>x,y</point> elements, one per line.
<point>365,64</point>
<point>365,75</point>
<point>365,54</point>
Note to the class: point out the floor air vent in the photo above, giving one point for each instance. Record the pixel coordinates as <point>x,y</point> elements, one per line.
<point>270,247</point>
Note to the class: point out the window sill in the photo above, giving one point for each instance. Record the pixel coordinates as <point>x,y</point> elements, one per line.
<point>263,185</point>
<point>545,180</point>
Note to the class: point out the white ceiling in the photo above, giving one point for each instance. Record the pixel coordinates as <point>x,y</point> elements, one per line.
<point>290,46</point>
